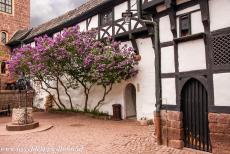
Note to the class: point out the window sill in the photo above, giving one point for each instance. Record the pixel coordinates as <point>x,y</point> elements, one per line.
<point>189,37</point>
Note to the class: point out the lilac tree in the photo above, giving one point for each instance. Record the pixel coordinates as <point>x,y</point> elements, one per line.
<point>75,58</point>
<point>114,63</point>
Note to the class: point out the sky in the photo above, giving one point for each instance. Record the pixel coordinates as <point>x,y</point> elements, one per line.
<point>45,10</point>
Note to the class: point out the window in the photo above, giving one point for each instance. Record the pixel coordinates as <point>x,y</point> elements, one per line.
<point>3,37</point>
<point>221,49</point>
<point>185,25</point>
<point>107,17</point>
<point>3,68</point>
<point>6,6</point>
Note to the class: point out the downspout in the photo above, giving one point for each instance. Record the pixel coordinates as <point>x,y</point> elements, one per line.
<point>156,47</point>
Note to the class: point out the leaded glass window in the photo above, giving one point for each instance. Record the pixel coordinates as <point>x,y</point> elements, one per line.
<point>6,6</point>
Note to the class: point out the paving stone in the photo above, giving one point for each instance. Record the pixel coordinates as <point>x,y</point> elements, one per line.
<point>94,135</point>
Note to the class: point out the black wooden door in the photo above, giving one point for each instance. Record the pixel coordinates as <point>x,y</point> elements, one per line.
<point>195,116</point>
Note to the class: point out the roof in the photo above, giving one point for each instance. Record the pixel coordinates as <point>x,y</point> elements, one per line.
<point>19,35</point>
<point>52,24</point>
<point>65,19</point>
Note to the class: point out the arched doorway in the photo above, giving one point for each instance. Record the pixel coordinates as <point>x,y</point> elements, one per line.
<point>194,101</point>
<point>3,68</point>
<point>130,101</point>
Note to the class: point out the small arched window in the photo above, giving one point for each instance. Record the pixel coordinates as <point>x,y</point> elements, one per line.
<point>3,68</point>
<point>3,37</point>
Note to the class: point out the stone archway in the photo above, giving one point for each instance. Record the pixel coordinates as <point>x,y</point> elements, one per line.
<point>130,101</point>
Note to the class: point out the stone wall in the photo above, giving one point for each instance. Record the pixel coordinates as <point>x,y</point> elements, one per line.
<point>11,23</point>
<point>172,129</point>
<point>219,125</point>
<point>19,19</point>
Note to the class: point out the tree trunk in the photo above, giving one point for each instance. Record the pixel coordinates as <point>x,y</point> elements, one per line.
<point>106,92</point>
<point>58,95</point>
<point>86,91</point>
<point>66,91</point>
<point>53,99</point>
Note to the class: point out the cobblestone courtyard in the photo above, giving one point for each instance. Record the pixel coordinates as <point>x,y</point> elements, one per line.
<point>91,136</point>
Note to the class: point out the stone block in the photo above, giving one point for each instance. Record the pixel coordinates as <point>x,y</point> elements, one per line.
<point>175,124</point>
<point>178,144</point>
<point>173,133</point>
<point>212,117</point>
<point>224,119</point>
<point>220,140</point>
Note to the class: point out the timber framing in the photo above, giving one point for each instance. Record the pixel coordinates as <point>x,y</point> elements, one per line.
<point>140,30</point>
<point>204,76</point>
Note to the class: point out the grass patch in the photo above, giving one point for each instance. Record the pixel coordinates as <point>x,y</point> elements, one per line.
<point>95,113</point>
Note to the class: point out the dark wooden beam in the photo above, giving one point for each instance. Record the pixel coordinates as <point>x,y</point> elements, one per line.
<point>204,6</point>
<point>171,6</point>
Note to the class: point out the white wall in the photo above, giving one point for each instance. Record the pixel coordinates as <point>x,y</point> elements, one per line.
<point>144,83</point>
<point>219,14</point>
<point>133,4</point>
<point>119,9</point>
<point>181,1</point>
<point>161,8</point>
<point>221,89</point>
<point>146,79</point>
<point>189,9</point>
<point>94,22</point>
<point>165,29</point>
<point>169,91</point>
<point>82,26</point>
<point>191,55</point>
<point>196,23</point>
<point>167,60</point>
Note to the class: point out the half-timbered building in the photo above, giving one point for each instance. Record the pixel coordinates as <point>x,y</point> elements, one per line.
<point>188,76</point>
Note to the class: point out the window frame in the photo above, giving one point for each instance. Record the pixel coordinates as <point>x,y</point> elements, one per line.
<point>188,16</point>
<point>101,17</point>
<point>7,5</point>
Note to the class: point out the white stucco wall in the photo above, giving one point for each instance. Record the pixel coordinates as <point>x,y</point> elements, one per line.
<point>196,23</point>
<point>94,22</point>
<point>146,79</point>
<point>133,4</point>
<point>219,14</point>
<point>144,83</point>
<point>189,9</point>
<point>133,23</point>
<point>167,60</point>
<point>119,9</point>
<point>191,55</point>
<point>161,8</point>
<point>165,29</point>
<point>181,1</point>
<point>82,26</point>
<point>168,91</point>
<point>221,89</point>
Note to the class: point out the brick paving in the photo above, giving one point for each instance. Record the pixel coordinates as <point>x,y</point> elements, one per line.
<point>89,135</point>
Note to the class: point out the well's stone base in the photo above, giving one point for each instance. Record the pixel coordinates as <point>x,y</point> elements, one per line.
<point>18,115</point>
<point>219,125</point>
<point>172,129</point>
<point>14,127</point>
